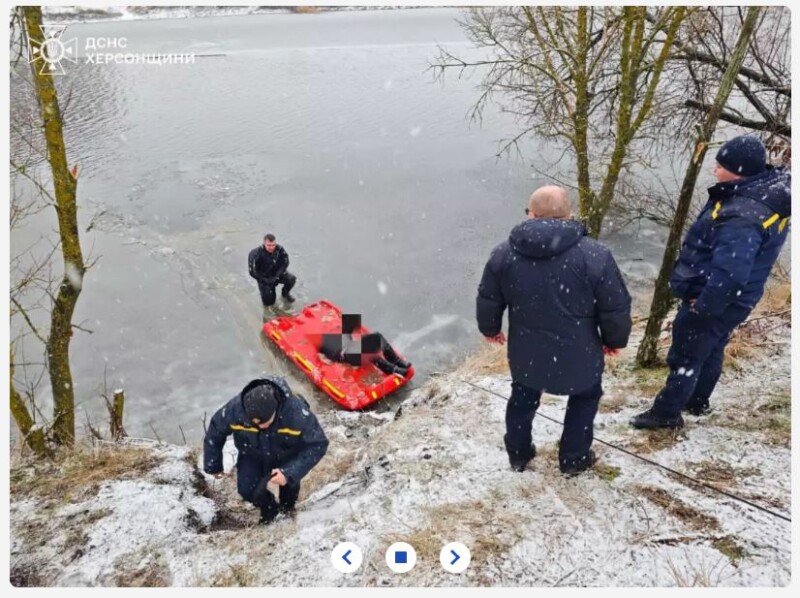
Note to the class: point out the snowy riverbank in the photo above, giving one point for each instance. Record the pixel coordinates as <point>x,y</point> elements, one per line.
<point>433,473</point>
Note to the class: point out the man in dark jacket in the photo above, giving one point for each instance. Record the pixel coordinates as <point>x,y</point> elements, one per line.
<point>268,264</point>
<point>278,440</point>
<point>568,305</point>
<point>720,275</point>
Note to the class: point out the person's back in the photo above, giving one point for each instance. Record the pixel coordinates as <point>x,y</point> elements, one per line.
<point>565,300</point>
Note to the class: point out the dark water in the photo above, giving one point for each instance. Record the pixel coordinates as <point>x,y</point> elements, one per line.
<point>327,130</point>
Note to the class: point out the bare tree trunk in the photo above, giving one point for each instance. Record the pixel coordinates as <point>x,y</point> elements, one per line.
<point>117,410</point>
<point>581,115</point>
<point>65,185</point>
<point>34,436</point>
<point>647,355</point>
<point>629,121</point>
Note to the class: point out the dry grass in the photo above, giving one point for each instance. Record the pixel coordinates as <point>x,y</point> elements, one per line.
<point>773,311</point>
<point>728,546</point>
<point>442,523</point>
<point>679,509</point>
<point>80,471</point>
<point>26,576</point>
<point>698,574</point>
<point>489,360</point>
<point>492,531</point>
<point>607,472</point>
<point>152,572</point>
<point>305,10</point>
<point>648,381</point>
<point>651,441</point>
<point>777,297</point>
<point>333,467</point>
<point>720,473</point>
<point>240,575</point>
<point>772,418</point>
<point>614,403</point>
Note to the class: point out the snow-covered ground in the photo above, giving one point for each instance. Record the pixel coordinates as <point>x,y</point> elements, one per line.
<point>433,473</point>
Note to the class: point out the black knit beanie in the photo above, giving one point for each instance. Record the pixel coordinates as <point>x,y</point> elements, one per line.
<point>744,155</point>
<point>260,404</point>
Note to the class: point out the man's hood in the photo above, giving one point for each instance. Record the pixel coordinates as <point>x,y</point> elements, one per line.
<point>545,237</point>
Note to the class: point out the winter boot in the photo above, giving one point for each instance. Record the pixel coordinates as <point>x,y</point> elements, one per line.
<point>288,297</point>
<point>519,464</point>
<point>649,420</point>
<point>390,368</point>
<point>392,356</point>
<point>576,466</point>
<point>269,512</point>
<point>698,407</point>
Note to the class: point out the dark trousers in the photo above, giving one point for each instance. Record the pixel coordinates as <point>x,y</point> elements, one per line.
<point>578,434</point>
<point>252,476</point>
<point>267,291</point>
<point>695,358</point>
<point>389,357</point>
<point>385,357</point>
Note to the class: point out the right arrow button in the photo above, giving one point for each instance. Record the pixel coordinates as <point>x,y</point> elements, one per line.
<point>455,557</point>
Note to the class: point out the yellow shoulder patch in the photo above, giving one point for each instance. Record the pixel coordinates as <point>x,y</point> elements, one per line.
<point>237,428</point>
<point>770,221</point>
<point>289,431</point>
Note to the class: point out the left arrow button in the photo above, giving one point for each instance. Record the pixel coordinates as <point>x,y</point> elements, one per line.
<point>346,557</point>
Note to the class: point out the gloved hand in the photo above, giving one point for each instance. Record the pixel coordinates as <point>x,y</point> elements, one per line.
<point>610,352</point>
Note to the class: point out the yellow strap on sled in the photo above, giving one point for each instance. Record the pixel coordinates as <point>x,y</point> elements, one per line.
<point>333,389</point>
<point>304,362</point>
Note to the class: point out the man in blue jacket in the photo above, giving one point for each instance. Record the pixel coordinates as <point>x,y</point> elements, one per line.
<point>720,275</point>
<point>278,440</point>
<point>567,306</point>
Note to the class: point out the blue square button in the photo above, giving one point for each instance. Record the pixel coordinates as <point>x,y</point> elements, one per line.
<point>401,557</point>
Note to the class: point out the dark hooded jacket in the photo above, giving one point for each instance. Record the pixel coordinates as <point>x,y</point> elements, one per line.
<point>294,442</point>
<point>566,299</point>
<point>265,266</point>
<point>728,252</point>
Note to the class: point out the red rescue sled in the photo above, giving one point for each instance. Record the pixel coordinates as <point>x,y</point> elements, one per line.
<point>299,338</point>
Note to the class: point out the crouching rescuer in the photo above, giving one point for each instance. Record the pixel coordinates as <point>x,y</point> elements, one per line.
<point>278,439</point>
